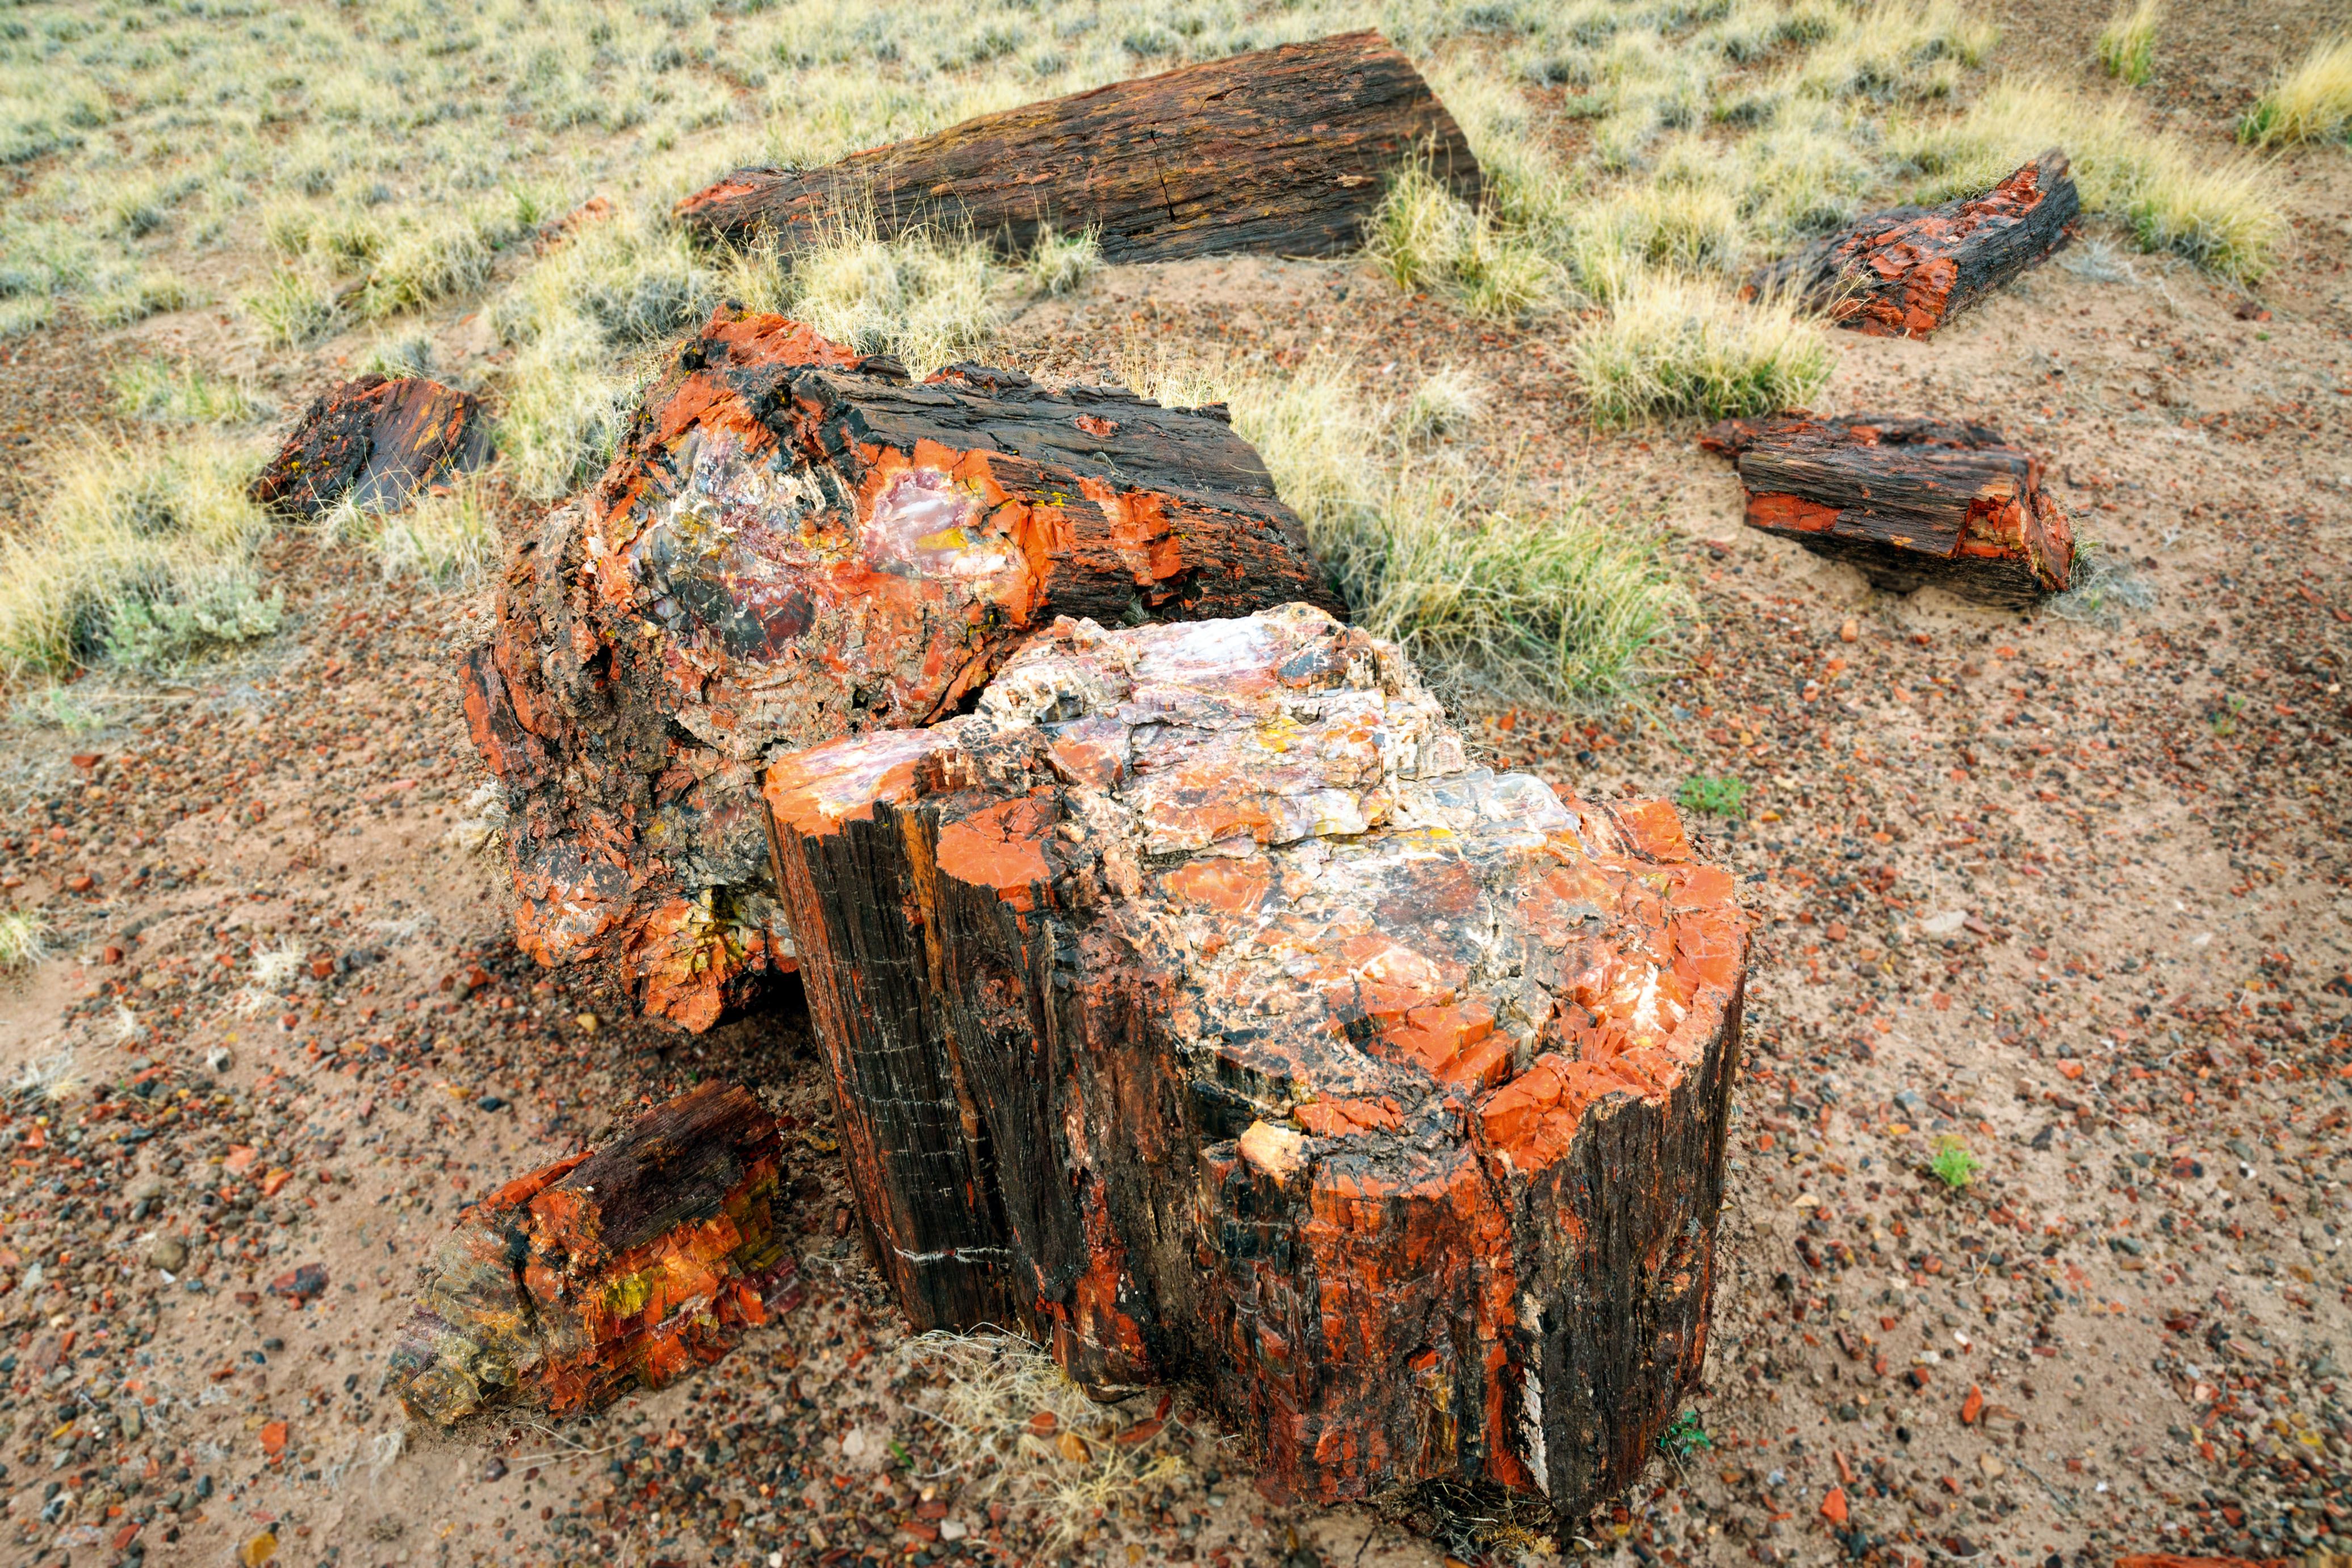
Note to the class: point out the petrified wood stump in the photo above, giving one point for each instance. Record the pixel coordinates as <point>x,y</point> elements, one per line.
<point>795,544</point>
<point>606,1270</point>
<point>1196,1006</point>
<point>1903,272</point>
<point>376,441</point>
<point>1285,151</point>
<point>1910,501</point>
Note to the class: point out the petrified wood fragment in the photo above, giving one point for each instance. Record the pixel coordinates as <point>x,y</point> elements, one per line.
<point>795,544</point>
<point>1910,501</point>
<point>610,1270</point>
<point>1195,1005</point>
<point>1286,151</point>
<point>376,441</point>
<point>1903,272</point>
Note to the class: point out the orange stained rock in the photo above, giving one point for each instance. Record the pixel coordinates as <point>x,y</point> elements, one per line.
<point>1000,847</point>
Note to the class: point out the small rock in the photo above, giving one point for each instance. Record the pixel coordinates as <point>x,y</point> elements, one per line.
<point>218,1059</point>
<point>300,1284</point>
<point>1851,632</point>
<point>494,1469</point>
<point>491,1103</point>
<point>169,1253</point>
<point>1991,1466</point>
<point>588,1023</point>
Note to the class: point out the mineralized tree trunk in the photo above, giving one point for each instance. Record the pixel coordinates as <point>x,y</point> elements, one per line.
<point>797,544</point>
<point>1285,151</point>
<point>1196,1006</point>
<point>611,1270</point>
<point>1912,502</point>
<point>375,442</point>
<point>1903,273</point>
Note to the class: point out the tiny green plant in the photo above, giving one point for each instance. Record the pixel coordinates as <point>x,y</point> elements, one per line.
<point>1714,795</point>
<point>1953,1165</point>
<point>1684,1434</point>
<point>2127,43</point>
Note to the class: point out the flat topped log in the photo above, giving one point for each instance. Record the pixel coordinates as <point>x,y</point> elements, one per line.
<point>1911,502</point>
<point>1283,152</point>
<point>1905,272</point>
<point>793,544</point>
<point>1196,1004</point>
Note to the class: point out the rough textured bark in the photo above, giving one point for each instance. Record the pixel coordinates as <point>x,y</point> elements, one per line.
<point>1903,272</point>
<point>797,544</point>
<point>1196,1006</point>
<point>1286,151</point>
<point>377,442</point>
<point>1912,502</point>
<point>610,1270</point>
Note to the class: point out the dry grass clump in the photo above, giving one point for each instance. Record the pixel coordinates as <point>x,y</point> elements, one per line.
<point>181,392</point>
<point>925,298</point>
<point>1424,236</point>
<point>24,938</point>
<point>2310,102</point>
<point>447,537</point>
<point>1446,400</point>
<point>2127,43</point>
<point>1675,347</point>
<point>1060,263</point>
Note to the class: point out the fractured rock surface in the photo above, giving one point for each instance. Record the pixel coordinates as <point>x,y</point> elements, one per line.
<point>797,544</point>
<point>377,442</point>
<point>1197,1006</point>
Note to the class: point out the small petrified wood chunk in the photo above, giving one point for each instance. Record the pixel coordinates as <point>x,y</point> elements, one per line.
<point>1195,1005</point>
<point>1285,151</point>
<point>1912,502</point>
<point>377,442</point>
<point>795,544</point>
<point>1903,272</point>
<point>609,1270</point>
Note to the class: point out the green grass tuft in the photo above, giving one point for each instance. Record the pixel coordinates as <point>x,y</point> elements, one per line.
<point>294,309</point>
<point>182,393</point>
<point>2310,102</point>
<point>1952,1162</point>
<point>2127,43</point>
<point>1675,347</point>
<point>1425,237</point>
<point>1714,795</point>
<point>1059,264</point>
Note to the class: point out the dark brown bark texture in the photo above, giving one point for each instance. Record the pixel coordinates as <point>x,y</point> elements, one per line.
<point>1196,1007</point>
<point>1905,272</point>
<point>617,1268</point>
<point>797,544</point>
<point>1912,502</point>
<point>377,442</point>
<point>1284,151</point>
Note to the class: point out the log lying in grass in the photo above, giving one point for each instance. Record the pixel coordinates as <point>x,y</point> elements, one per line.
<point>1195,1005</point>
<point>1285,151</point>
<point>797,544</point>
<point>1905,272</point>
<point>1912,502</point>
<point>377,442</point>
<point>606,1270</point>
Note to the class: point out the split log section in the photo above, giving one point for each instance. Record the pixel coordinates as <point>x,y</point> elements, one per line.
<point>795,544</point>
<point>1284,151</point>
<point>1912,502</point>
<point>1194,1004</point>
<point>375,441</point>
<point>1905,272</point>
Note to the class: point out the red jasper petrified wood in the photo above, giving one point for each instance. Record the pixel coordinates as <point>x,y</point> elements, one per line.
<point>1195,1005</point>
<point>1911,502</point>
<point>375,441</point>
<point>795,544</point>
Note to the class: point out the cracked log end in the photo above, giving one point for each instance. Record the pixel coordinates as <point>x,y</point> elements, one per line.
<point>795,544</point>
<point>1197,1006</point>
<point>616,1269</point>
<point>377,442</point>
<point>1905,272</point>
<point>1911,502</point>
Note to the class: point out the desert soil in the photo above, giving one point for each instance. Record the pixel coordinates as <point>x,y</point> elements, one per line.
<point>2070,894</point>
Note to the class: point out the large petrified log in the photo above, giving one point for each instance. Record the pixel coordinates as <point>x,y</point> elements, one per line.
<point>376,442</point>
<point>607,1271</point>
<point>1286,151</point>
<point>1196,1006</point>
<point>1912,502</point>
<point>1903,272</point>
<point>793,544</point>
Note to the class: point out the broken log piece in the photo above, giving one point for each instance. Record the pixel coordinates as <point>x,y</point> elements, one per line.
<point>375,442</point>
<point>606,1270</point>
<point>795,544</point>
<point>1913,503</point>
<point>1905,272</point>
<point>1195,1005</point>
<point>1285,151</point>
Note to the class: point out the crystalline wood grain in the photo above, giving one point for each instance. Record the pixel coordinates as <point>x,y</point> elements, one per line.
<point>1911,502</point>
<point>795,544</point>
<point>1196,1006</point>
<point>376,442</point>
<point>1284,151</point>
<point>1907,271</point>
<point>611,1270</point>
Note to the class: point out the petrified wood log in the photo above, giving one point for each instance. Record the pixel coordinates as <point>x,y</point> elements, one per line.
<point>1196,1006</point>
<point>610,1270</point>
<point>795,544</point>
<point>1910,501</point>
<point>1903,272</point>
<point>1287,151</point>
<point>376,441</point>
